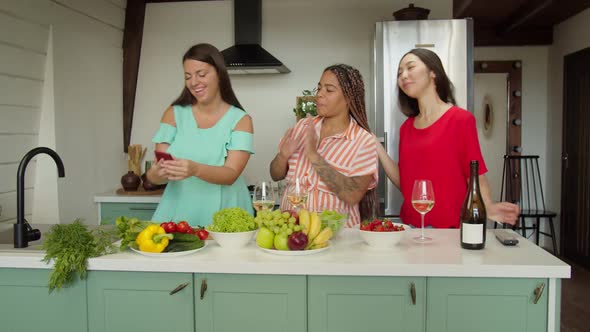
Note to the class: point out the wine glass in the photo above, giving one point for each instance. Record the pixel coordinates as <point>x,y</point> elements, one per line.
<point>264,196</point>
<point>297,193</point>
<point>423,202</point>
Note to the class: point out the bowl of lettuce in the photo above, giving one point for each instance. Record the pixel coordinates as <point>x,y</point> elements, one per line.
<point>232,227</point>
<point>334,220</point>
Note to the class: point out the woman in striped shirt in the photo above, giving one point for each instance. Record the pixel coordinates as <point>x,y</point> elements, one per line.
<point>333,153</point>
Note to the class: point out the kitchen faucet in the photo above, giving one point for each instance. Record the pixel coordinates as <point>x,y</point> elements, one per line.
<point>23,232</point>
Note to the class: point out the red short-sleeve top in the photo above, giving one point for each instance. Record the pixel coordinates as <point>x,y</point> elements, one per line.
<point>441,153</point>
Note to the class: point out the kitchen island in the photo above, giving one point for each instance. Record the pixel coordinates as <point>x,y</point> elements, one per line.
<point>413,287</point>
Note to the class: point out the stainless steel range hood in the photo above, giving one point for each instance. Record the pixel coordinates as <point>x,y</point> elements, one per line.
<point>247,56</point>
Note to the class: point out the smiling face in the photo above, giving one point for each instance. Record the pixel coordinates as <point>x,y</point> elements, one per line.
<point>201,80</point>
<point>413,76</point>
<point>330,98</point>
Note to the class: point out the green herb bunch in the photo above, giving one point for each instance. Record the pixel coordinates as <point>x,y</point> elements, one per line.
<point>70,246</point>
<point>306,105</point>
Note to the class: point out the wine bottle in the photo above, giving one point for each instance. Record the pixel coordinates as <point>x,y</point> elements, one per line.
<point>473,213</point>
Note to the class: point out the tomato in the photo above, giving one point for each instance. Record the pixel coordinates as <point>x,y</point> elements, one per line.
<point>202,234</point>
<point>182,227</point>
<point>190,230</point>
<point>169,227</point>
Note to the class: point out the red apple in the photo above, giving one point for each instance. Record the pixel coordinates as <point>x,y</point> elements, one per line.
<point>297,241</point>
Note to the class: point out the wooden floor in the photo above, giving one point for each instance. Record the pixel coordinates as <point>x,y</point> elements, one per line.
<point>575,301</point>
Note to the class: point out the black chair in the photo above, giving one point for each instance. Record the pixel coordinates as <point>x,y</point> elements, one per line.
<point>521,185</point>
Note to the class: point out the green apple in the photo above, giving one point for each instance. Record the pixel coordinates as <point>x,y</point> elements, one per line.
<point>265,238</point>
<point>281,241</point>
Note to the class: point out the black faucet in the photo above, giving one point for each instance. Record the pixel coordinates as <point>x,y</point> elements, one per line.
<point>23,232</point>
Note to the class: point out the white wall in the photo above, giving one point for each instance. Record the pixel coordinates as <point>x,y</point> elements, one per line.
<point>87,94</point>
<point>306,35</point>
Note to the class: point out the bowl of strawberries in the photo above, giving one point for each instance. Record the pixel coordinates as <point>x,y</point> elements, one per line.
<point>382,233</point>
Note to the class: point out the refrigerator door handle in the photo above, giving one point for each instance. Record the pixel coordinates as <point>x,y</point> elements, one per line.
<point>383,140</point>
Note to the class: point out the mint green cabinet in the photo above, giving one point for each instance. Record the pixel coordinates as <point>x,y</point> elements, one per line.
<point>486,304</point>
<point>140,301</point>
<point>110,211</point>
<point>261,303</point>
<point>27,305</point>
<point>341,304</point>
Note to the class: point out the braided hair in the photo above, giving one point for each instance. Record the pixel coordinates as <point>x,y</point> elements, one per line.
<point>353,89</point>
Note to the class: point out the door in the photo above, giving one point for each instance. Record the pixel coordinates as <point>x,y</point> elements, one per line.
<point>140,301</point>
<point>486,305</point>
<point>261,303</point>
<point>575,184</point>
<point>379,304</point>
<point>27,304</point>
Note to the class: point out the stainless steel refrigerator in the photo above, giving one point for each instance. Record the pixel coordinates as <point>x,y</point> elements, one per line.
<point>452,40</point>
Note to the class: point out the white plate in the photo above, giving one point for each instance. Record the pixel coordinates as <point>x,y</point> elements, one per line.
<point>169,254</point>
<point>293,252</point>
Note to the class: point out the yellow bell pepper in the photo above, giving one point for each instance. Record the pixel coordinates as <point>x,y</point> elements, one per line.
<point>153,239</point>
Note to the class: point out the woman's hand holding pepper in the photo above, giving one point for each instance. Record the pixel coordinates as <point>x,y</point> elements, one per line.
<point>180,169</point>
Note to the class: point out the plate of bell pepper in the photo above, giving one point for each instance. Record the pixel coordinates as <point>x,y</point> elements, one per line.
<point>161,240</point>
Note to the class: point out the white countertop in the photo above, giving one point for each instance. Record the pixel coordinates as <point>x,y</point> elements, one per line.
<point>347,256</point>
<point>112,197</point>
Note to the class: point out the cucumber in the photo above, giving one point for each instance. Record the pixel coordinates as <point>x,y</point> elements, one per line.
<point>183,237</point>
<point>184,246</point>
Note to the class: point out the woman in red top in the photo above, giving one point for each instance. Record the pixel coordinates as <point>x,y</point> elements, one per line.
<point>437,142</point>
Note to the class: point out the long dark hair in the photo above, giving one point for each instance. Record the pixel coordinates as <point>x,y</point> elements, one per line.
<point>444,87</point>
<point>353,89</point>
<point>211,55</point>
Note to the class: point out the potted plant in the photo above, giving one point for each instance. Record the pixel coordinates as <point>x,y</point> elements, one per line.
<point>305,105</point>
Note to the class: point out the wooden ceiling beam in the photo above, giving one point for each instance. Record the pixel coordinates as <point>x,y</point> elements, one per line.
<point>488,36</point>
<point>132,37</point>
<point>460,7</point>
<point>524,14</point>
<point>156,1</point>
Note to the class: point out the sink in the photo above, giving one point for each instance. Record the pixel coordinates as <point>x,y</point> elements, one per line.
<point>7,238</point>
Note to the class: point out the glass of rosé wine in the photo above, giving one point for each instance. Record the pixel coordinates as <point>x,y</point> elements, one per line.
<point>423,202</point>
<point>264,196</point>
<point>297,192</point>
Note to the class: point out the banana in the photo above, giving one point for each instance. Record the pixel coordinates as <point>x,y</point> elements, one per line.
<point>304,221</point>
<point>315,226</point>
<point>323,237</point>
<point>318,246</point>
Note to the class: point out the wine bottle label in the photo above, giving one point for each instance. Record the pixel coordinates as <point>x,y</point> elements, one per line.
<point>472,233</point>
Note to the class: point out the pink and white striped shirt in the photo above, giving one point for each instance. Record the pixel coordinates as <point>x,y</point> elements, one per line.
<point>352,153</point>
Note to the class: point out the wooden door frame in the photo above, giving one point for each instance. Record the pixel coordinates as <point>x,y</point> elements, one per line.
<point>513,68</point>
<point>514,91</point>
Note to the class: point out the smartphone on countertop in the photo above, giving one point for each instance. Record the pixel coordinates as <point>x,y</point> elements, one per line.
<point>506,237</point>
<point>163,155</point>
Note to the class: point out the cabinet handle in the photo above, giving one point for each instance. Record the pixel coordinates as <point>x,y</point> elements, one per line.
<point>413,293</point>
<point>203,288</point>
<point>142,209</point>
<point>178,288</point>
<point>538,292</point>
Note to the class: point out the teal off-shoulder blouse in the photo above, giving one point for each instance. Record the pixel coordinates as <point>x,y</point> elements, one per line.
<point>193,199</point>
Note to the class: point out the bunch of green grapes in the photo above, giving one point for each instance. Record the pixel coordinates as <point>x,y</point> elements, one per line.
<point>277,221</point>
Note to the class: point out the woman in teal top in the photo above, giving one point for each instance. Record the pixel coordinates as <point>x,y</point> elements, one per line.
<point>210,138</point>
